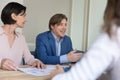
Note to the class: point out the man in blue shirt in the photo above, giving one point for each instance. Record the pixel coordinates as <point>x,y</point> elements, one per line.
<point>53,46</point>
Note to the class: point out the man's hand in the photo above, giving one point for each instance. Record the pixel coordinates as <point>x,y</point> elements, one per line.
<point>74,57</point>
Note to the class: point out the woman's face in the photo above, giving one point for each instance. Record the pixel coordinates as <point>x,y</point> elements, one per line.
<point>20,20</point>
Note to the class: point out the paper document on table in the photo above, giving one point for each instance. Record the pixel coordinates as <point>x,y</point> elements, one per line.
<point>38,72</point>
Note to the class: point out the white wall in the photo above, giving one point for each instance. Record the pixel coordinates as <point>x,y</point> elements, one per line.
<point>77,23</point>
<point>96,11</point>
<point>87,17</point>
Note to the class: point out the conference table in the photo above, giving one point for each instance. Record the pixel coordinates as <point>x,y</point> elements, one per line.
<point>18,75</point>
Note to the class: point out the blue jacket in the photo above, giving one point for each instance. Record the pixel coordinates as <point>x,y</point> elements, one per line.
<point>46,48</point>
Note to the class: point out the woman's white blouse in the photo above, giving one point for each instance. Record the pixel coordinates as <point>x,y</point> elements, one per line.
<point>103,56</point>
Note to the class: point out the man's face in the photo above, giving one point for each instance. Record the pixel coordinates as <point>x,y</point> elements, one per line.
<point>59,30</point>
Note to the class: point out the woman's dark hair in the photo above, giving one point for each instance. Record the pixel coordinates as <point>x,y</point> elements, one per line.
<point>111,15</point>
<point>12,7</point>
<point>56,19</point>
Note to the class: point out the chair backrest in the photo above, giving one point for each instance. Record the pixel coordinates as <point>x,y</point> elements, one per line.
<point>33,53</point>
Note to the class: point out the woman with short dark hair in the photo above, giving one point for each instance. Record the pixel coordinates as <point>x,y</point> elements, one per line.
<point>13,45</point>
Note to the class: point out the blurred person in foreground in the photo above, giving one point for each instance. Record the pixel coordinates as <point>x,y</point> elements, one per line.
<point>104,54</point>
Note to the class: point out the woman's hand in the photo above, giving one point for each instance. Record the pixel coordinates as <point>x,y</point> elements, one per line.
<point>59,69</point>
<point>37,63</point>
<point>8,64</point>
